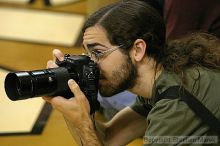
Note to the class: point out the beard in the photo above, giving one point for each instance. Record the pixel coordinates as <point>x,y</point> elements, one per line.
<point>122,78</point>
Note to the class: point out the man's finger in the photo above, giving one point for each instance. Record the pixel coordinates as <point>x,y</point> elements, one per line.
<point>57,102</point>
<point>46,98</point>
<point>74,87</point>
<point>57,54</point>
<point>51,64</point>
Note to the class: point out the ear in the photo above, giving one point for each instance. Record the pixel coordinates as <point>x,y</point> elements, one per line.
<point>139,49</point>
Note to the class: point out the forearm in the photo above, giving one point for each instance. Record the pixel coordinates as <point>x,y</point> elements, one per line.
<point>101,131</point>
<point>125,126</point>
<point>85,134</point>
<point>116,132</point>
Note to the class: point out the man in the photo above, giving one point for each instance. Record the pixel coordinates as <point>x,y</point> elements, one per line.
<point>127,41</point>
<point>113,104</point>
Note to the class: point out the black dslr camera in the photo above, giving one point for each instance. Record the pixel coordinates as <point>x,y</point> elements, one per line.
<point>53,82</point>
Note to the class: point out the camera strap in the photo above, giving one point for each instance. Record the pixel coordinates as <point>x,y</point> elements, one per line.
<point>195,105</point>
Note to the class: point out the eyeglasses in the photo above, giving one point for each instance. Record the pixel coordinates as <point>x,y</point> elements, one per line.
<point>96,55</point>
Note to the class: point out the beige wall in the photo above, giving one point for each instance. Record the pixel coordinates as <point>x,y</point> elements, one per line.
<point>93,5</point>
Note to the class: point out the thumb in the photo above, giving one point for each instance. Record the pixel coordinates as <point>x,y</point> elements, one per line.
<point>74,87</point>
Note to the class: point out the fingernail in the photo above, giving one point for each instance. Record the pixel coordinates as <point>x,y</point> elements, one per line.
<point>71,81</point>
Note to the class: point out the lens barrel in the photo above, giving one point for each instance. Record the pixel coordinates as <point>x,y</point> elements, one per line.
<point>28,84</point>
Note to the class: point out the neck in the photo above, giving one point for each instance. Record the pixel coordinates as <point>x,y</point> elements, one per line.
<point>147,74</point>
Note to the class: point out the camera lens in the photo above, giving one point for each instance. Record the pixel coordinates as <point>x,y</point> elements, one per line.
<point>18,85</point>
<point>48,82</point>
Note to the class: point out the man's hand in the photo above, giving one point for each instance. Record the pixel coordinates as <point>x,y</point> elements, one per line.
<point>75,109</point>
<point>57,54</point>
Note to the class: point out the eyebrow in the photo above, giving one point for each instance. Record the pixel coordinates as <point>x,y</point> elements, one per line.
<point>95,44</point>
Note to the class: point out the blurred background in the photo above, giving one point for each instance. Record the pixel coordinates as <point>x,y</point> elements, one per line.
<point>29,31</point>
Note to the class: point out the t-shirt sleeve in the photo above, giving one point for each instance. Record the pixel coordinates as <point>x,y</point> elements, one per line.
<point>141,106</point>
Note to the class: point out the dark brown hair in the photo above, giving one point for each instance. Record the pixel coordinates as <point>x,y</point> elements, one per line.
<point>129,20</point>
<point>194,50</point>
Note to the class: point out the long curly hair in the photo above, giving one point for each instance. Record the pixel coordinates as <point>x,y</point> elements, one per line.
<point>194,50</point>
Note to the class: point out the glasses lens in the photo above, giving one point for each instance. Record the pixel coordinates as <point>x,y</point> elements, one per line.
<point>93,56</point>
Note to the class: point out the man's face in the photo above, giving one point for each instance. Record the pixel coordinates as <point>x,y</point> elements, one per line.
<point>117,72</point>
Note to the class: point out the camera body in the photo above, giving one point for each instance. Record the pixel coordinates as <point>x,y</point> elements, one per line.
<point>53,82</point>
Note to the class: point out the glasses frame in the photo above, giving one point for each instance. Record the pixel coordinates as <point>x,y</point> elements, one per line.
<point>98,56</point>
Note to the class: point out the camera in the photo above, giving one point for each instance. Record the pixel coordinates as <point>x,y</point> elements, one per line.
<point>54,81</point>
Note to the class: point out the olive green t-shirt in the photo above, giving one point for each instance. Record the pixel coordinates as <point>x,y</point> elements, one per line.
<point>171,120</point>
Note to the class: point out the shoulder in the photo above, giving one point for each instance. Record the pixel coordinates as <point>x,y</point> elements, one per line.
<point>205,87</point>
<point>173,117</point>
<point>141,106</point>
